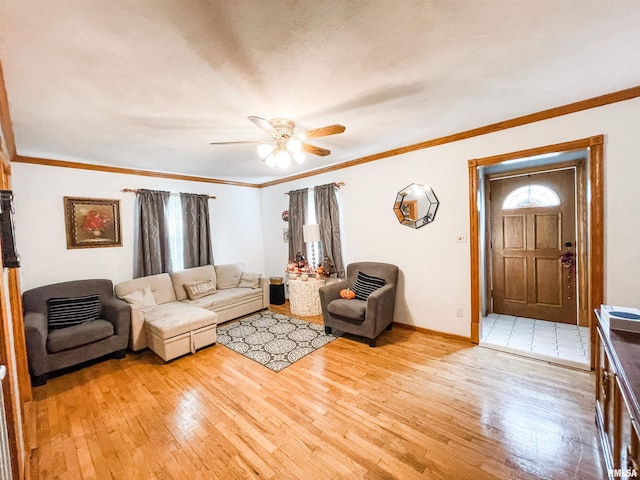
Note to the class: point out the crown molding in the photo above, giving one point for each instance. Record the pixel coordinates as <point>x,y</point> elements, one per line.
<point>600,101</point>
<point>127,171</point>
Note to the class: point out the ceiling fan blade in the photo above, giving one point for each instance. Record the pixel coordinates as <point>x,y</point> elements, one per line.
<point>263,125</point>
<point>323,152</point>
<point>233,143</point>
<point>323,131</point>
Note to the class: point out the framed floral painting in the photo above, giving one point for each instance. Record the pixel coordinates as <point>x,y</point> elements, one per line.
<point>92,222</point>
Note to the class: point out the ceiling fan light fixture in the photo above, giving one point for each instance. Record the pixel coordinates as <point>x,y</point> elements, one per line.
<point>284,147</point>
<point>294,145</point>
<point>283,159</point>
<point>299,157</point>
<point>264,149</point>
<point>270,161</point>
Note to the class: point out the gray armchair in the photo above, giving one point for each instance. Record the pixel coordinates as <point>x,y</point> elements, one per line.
<point>62,348</point>
<point>359,317</point>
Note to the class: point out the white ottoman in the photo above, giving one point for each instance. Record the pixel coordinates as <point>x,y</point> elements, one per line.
<point>175,329</point>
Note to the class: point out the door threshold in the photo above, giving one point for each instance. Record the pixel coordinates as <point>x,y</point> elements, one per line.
<point>563,362</point>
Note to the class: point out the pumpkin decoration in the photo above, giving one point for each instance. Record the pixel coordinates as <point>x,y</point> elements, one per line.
<point>347,294</point>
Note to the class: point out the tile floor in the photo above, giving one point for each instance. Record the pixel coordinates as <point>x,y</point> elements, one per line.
<point>554,342</point>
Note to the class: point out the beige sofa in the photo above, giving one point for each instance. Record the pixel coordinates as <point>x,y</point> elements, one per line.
<point>171,324</point>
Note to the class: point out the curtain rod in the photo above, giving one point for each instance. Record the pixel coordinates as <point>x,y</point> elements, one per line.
<point>336,184</point>
<point>133,190</point>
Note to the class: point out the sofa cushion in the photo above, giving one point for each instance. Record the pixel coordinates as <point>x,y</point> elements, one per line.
<point>142,299</point>
<point>229,275</point>
<point>249,280</point>
<point>70,311</point>
<point>160,284</point>
<point>225,297</point>
<point>78,335</point>
<point>365,285</point>
<point>197,290</point>
<point>349,309</point>
<point>191,275</point>
<point>176,318</point>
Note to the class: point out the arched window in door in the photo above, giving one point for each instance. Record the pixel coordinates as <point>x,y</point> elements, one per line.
<point>534,195</point>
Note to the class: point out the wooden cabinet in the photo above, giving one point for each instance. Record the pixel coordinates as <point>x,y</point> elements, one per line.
<point>617,392</point>
<point>604,400</point>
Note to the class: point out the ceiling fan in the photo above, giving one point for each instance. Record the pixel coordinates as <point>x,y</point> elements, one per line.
<point>284,145</point>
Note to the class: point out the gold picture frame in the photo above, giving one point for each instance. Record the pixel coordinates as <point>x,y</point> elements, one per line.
<point>92,222</point>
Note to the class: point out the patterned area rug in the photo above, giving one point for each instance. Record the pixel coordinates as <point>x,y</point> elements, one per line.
<point>272,339</point>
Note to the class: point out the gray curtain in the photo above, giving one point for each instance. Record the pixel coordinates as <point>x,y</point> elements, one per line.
<point>329,220</point>
<point>152,254</point>
<point>297,216</point>
<point>196,230</point>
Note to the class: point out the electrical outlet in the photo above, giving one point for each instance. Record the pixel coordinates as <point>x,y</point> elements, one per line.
<point>461,237</point>
<point>458,311</point>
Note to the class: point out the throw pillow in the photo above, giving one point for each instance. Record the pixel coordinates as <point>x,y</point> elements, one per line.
<point>366,284</point>
<point>249,280</point>
<point>196,290</point>
<point>142,299</point>
<point>70,311</point>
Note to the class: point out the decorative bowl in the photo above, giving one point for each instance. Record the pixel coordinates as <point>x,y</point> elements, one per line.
<point>275,280</point>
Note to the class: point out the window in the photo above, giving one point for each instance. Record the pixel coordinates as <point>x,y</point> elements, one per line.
<point>535,195</point>
<point>176,236</point>
<point>311,219</point>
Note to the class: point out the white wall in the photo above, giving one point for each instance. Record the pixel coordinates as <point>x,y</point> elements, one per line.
<point>435,269</point>
<point>40,227</point>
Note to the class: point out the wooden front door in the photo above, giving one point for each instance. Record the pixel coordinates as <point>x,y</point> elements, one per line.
<point>533,245</point>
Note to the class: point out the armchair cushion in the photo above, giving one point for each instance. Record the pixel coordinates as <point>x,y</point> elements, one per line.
<point>354,310</point>
<point>365,285</point>
<point>78,335</point>
<point>70,311</point>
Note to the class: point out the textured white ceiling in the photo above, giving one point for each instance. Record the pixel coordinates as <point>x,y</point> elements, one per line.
<point>148,83</point>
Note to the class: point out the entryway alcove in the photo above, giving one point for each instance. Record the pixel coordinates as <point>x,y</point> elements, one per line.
<point>537,241</point>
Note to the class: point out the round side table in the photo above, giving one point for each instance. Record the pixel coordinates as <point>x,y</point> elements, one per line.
<point>304,299</point>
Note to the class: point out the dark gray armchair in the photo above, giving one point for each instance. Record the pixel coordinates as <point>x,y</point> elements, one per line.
<point>62,348</point>
<point>359,317</point>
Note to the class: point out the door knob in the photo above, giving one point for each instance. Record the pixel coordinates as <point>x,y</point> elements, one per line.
<point>568,244</point>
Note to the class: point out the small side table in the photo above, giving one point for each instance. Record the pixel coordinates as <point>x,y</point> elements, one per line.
<point>304,298</point>
<point>276,294</point>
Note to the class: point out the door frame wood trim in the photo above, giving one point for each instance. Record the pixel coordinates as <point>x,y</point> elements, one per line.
<point>6,126</point>
<point>9,356</point>
<point>595,146</point>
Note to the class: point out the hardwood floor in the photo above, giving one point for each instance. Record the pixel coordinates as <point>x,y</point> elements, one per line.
<point>416,406</point>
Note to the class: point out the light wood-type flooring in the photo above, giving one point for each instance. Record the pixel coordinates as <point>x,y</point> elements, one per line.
<point>416,406</point>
